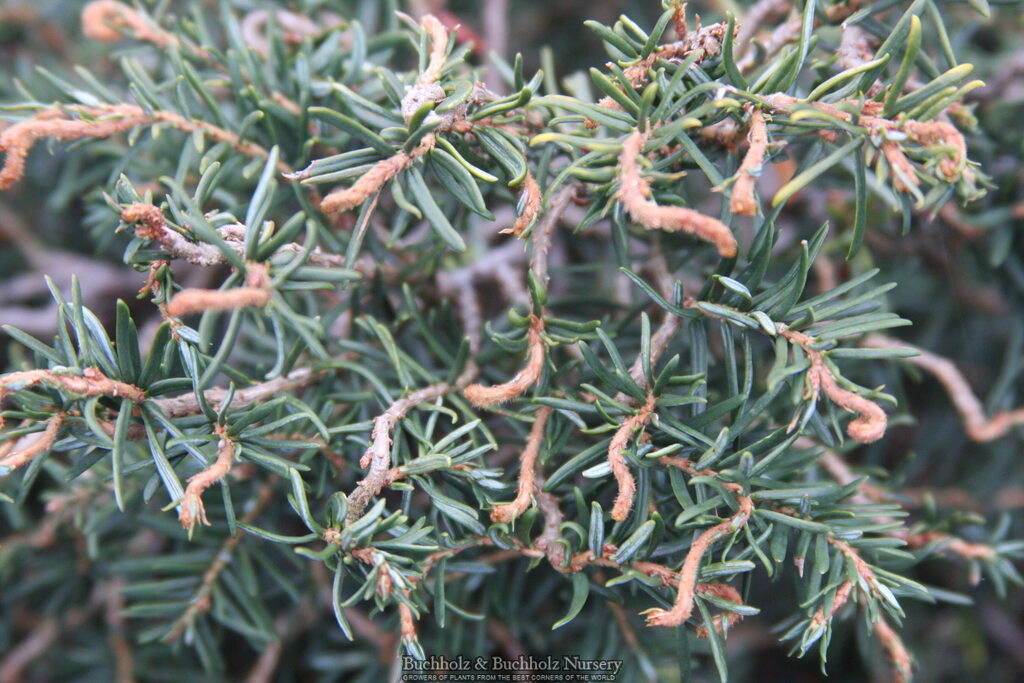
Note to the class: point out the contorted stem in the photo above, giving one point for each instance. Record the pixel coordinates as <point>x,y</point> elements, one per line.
<point>938,134</point>
<point>527,473</point>
<point>634,192</point>
<point>345,198</point>
<point>617,459</point>
<point>708,40</point>
<point>190,301</point>
<point>108,120</point>
<point>819,619</point>
<point>683,606</point>
<point>482,396</point>
<point>192,509</point>
<point>438,49</point>
<point>378,456</point>
<point>742,200</point>
<point>870,425</point>
<point>17,140</point>
<point>37,446</point>
<point>91,382</point>
<point>531,198</point>
<point>894,648</point>
<point>726,592</point>
<point>972,412</point>
<point>107,21</point>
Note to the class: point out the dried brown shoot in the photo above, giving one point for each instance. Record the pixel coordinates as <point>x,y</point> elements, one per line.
<point>378,455</point>
<point>871,421</point>
<point>482,396</point>
<point>17,140</point>
<point>634,193</point>
<point>951,544</point>
<point>706,39</point>
<point>842,595</point>
<point>720,622</point>
<point>683,606</point>
<point>368,184</point>
<point>527,472</point>
<point>860,566</point>
<point>91,382</point>
<point>438,35</point>
<point>531,199</point>
<point>107,21</point>
<point>616,457</point>
<point>101,122</point>
<point>972,412</point>
<point>192,509</point>
<point>407,621</point>
<point>37,446</point>
<point>896,651</point>
<point>742,200</point>
<point>925,133</point>
<point>190,301</point>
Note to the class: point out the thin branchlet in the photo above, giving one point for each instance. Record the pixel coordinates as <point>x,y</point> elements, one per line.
<point>617,458</point>
<point>527,474</point>
<point>742,201</point>
<point>634,193</point>
<point>483,396</point>
<point>192,509</point>
<point>683,606</point>
<point>871,421</point>
<point>102,122</point>
<point>24,453</point>
<point>972,412</point>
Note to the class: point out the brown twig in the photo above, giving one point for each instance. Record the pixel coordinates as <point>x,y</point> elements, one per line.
<point>942,135</point>
<point>37,446</point>
<point>190,301</point>
<point>482,396</point>
<point>345,198</point>
<point>707,40</point>
<point>527,474</point>
<point>971,411</point>
<point>378,455</point>
<point>742,200</point>
<point>871,423</point>
<point>616,457</point>
<point>634,191</point>
<point>531,206</point>
<point>107,21</point>
<point>188,404</point>
<point>894,648</point>
<point>683,606</point>
<point>192,509</point>
<point>90,383</point>
<point>103,122</point>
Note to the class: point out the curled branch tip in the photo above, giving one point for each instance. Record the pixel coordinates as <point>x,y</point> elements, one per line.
<point>192,509</point>
<point>742,200</point>
<point>527,474</point>
<point>634,193</point>
<point>482,396</point>
<point>617,460</point>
